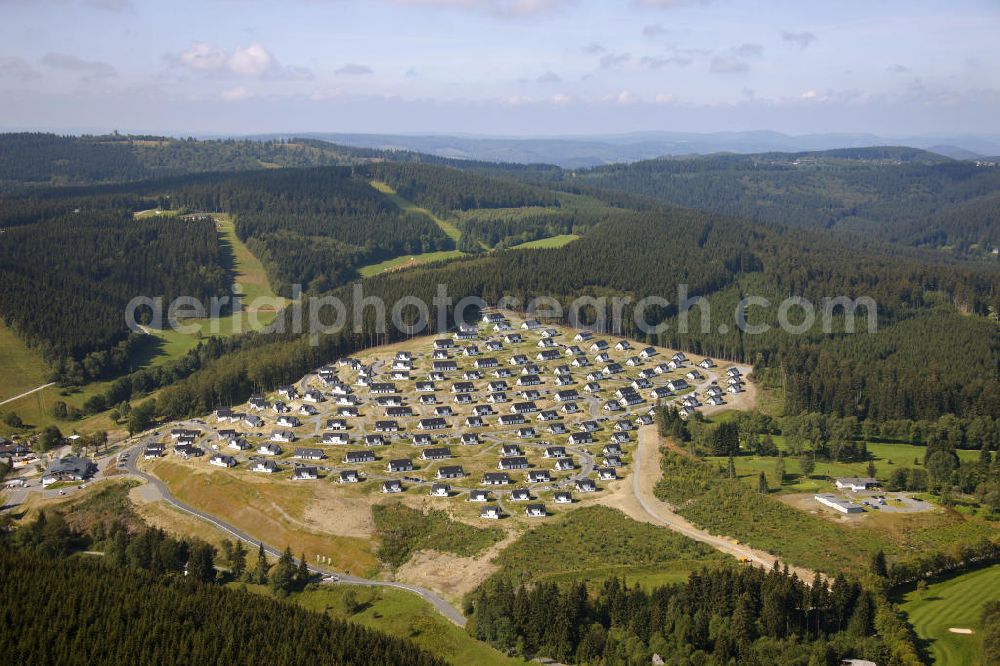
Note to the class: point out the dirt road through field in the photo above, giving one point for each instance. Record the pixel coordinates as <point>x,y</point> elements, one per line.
<point>635,497</point>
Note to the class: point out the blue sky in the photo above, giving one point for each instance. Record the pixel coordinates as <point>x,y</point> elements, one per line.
<point>500,67</point>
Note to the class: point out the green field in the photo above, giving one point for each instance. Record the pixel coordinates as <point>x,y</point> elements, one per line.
<point>154,212</point>
<point>886,456</point>
<point>35,410</point>
<point>21,368</point>
<point>956,602</point>
<point>251,277</point>
<point>797,531</point>
<point>449,228</point>
<point>406,261</point>
<point>546,243</point>
<point>400,614</point>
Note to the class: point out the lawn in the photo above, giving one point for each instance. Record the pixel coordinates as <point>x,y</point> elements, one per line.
<point>546,243</point>
<point>886,456</point>
<point>21,368</point>
<point>36,409</point>
<point>955,602</point>
<point>401,614</point>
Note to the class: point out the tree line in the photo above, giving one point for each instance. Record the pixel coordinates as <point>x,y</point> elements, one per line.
<point>726,615</point>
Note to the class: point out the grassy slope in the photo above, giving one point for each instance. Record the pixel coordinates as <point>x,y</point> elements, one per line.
<point>21,368</point>
<point>544,243</point>
<point>595,543</point>
<point>271,511</point>
<point>450,229</point>
<point>401,614</point>
<point>251,277</point>
<point>406,261</point>
<point>956,602</point>
<point>803,537</point>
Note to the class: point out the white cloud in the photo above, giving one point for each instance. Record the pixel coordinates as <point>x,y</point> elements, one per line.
<point>496,7</point>
<point>664,98</point>
<point>110,5</point>
<point>12,67</point>
<point>657,63</point>
<point>728,65</point>
<point>253,60</point>
<point>90,68</point>
<point>235,94</point>
<point>735,60</point>
<point>799,39</point>
<point>668,4</point>
<point>518,100</point>
<point>749,50</point>
<point>354,69</point>
<point>249,61</point>
<point>561,99</point>
<point>654,30</point>
<point>614,60</point>
<point>627,97</point>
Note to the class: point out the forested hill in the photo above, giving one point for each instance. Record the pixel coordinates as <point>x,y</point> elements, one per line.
<point>895,194</point>
<point>33,159</point>
<point>925,360</point>
<point>74,611</point>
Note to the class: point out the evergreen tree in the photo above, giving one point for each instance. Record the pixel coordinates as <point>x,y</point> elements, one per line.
<point>282,577</point>
<point>260,576</point>
<point>201,563</point>
<point>807,463</point>
<point>879,567</point>
<point>238,560</point>
<point>302,575</point>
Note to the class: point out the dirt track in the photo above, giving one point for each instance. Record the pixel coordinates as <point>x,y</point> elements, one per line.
<point>634,496</point>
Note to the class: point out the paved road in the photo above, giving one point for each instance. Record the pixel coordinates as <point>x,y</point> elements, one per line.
<point>440,604</point>
<point>34,390</point>
<point>662,513</point>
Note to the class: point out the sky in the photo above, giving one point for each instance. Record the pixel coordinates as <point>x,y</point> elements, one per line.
<point>500,67</point>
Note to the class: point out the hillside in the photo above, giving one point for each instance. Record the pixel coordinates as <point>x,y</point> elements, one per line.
<point>895,194</point>
<point>33,159</point>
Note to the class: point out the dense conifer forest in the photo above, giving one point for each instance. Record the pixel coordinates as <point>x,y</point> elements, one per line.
<point>900,194</point>
<point>67,276</point>
<point>82,611</point>
<point>936,351</point>
<point>722,616</point>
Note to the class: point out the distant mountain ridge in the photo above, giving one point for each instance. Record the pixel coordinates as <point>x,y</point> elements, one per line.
<point>575,152</point>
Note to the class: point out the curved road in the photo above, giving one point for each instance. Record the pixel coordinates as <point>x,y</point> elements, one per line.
<point>440,604</point>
